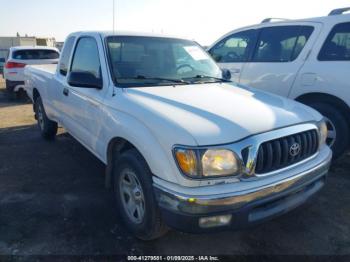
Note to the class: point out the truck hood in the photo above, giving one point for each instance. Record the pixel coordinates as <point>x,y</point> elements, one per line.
<point>216,113</point>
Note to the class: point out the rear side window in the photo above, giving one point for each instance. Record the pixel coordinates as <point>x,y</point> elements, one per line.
<point>35,54</point>
<point>235,48</point>
<point>281,43</point>
<point>337,44</point>
<point>67,50</point>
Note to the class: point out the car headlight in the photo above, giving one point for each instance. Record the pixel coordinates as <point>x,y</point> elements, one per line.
<point>323,131</point>
<point>207,163</point>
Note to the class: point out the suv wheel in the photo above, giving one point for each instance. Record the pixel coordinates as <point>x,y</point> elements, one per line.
<point>134,196</point>
<point>47,127</point>
<point>338,128</point>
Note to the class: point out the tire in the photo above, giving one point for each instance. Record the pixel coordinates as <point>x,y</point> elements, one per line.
<point>337,121</point>
<point>47,127</point>
<point>149,224</point>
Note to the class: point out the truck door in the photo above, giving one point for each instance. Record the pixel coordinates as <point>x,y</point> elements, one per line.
<point>84,102</point>
<point>279,54</point>
<point>233,51</point>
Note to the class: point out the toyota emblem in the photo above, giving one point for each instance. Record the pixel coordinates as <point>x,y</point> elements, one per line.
<point>294,150</point>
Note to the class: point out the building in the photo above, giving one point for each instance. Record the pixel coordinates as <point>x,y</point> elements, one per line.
<point>51,42</point>
<point>7,42</point>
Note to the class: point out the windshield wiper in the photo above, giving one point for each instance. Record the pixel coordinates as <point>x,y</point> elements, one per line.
<point>211,77</point>
<point>142,77</point>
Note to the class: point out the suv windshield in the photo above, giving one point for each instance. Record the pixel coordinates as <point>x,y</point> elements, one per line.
<point>147,61</point>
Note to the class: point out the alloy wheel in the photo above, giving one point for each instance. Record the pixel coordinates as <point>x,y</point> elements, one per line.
<point>132,196</point>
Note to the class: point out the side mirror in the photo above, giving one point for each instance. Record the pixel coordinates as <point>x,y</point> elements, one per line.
<point>226,74</point>
<point>84,80</point>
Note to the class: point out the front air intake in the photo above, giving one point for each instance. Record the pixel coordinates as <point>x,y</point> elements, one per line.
<point>286,151</point>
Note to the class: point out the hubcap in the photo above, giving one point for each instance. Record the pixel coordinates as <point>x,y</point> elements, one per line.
<point>40,117</point>
<point>332,132</point>
<point>132,196</point>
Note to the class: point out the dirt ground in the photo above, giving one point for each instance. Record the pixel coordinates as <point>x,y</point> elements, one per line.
<point>53,201</point>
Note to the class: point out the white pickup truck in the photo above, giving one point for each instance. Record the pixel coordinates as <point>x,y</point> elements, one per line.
<point>183,146</point>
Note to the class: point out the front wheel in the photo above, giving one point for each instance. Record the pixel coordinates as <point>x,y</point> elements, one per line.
<point>338,128</point>
<point>135,199</point>
<point>48,128</point>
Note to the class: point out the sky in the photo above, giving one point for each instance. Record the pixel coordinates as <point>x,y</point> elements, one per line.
<point>200,20</point>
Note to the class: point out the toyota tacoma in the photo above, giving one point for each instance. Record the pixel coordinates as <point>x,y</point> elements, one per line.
<point>183,146</point>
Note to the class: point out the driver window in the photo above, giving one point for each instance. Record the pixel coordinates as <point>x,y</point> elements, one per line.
<point>235,48</point>
<point>86,57</point>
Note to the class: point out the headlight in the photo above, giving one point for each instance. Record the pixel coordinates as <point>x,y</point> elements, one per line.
<point>219,163</point>
<point>323,131</point>
<point>204,163</point>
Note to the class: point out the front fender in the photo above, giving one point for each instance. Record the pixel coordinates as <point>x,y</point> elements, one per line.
<point>122,125</point>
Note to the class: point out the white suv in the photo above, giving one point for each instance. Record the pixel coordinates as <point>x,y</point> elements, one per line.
<point>19,57</point>
<point>307,60</point>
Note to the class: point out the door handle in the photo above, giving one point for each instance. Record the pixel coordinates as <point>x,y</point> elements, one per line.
<point>66,91</point>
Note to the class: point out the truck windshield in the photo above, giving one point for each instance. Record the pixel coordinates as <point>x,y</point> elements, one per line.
<point>147,61</point>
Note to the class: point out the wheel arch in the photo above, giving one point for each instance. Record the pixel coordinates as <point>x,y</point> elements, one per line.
<point>332,100</point>
<point>115,148</point>
<point>36,95</point>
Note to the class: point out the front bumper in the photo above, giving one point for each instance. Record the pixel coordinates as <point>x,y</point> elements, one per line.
<point>247,207</point>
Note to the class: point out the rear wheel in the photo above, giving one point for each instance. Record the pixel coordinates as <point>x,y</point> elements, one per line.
<point>134,195</point>
<point>47,127</point>
<point>338,127</point>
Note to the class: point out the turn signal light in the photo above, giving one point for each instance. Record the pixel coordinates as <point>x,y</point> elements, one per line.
<point>187,161</point>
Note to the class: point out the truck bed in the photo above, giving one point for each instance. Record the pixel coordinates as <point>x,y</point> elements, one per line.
<point>39,77</point>
<point>51,68</point>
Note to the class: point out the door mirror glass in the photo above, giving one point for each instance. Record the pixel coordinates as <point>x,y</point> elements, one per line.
<point>84,80</point>
<point>226,74</point>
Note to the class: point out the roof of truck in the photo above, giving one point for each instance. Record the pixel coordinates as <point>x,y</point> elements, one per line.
<point>125,33</point>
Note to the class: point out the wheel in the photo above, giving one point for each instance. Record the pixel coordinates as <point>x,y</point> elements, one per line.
<point>338,128</point>
<point>47,127</point>
<point>134,196</point>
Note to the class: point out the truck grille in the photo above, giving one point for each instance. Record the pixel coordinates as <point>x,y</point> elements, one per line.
<point>285,151</point>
